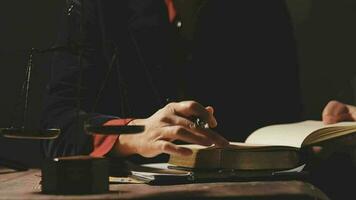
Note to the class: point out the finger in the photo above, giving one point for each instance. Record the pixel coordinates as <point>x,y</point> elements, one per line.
<point>178,120</point>
<point>183,134</point>
<point>210,109</point>
<point>318,153</point>
<point>198,133</point>
<point>335,112</point>
<point>328,119</point>
<point>333,108</point>
<point>216,138</point>
<point>214,123</point>
<point>332,119</point>
<point>352,112</point>
<point>171,149</point>
<point>190,109</point>
<point>317,150</point>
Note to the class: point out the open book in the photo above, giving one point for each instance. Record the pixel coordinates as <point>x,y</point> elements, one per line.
<point>275,147</point>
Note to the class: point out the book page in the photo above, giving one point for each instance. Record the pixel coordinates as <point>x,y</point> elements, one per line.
<point>292,134</point>
<point>258,147</point>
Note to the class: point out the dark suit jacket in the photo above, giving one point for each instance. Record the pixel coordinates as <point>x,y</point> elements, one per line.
<point>242,61</point>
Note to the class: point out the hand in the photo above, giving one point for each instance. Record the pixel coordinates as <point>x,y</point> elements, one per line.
<point>173,122</point>
<point>336,111</point>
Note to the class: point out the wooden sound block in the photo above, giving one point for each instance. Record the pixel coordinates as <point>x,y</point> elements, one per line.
<point>75,175</point>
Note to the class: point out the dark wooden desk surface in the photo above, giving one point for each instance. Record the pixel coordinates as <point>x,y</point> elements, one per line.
<point>25,185</point>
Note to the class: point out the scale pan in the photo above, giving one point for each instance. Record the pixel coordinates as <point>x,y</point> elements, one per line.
<point>21,133</point>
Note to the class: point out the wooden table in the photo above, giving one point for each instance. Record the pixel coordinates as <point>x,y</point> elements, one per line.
<point>26,185</point>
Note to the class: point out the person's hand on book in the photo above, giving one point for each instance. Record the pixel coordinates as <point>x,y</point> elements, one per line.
<point>336,111</point>
<point>172,122</point>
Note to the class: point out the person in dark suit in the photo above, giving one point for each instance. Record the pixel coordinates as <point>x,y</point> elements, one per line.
<point>246,52</point>
<point>134,56</point>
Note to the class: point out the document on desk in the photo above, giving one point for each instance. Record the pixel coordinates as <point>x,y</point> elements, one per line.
<point>160,173</point>
<point>166,174</point>
<point>152,173</point>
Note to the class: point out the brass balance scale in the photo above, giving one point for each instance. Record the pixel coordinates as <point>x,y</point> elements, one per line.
<point>56,173</point>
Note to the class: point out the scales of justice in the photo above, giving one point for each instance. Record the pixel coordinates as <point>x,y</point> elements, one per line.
<point>22,131</point>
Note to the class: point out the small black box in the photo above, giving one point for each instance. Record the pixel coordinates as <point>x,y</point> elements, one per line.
<point>75,175</point>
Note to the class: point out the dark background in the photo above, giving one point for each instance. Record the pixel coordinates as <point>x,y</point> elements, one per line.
<point>325,32</point>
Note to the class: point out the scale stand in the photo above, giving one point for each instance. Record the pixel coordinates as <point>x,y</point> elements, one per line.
<point>23,132</point>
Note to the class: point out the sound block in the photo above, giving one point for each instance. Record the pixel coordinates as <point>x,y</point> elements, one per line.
<point>75,175</point>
